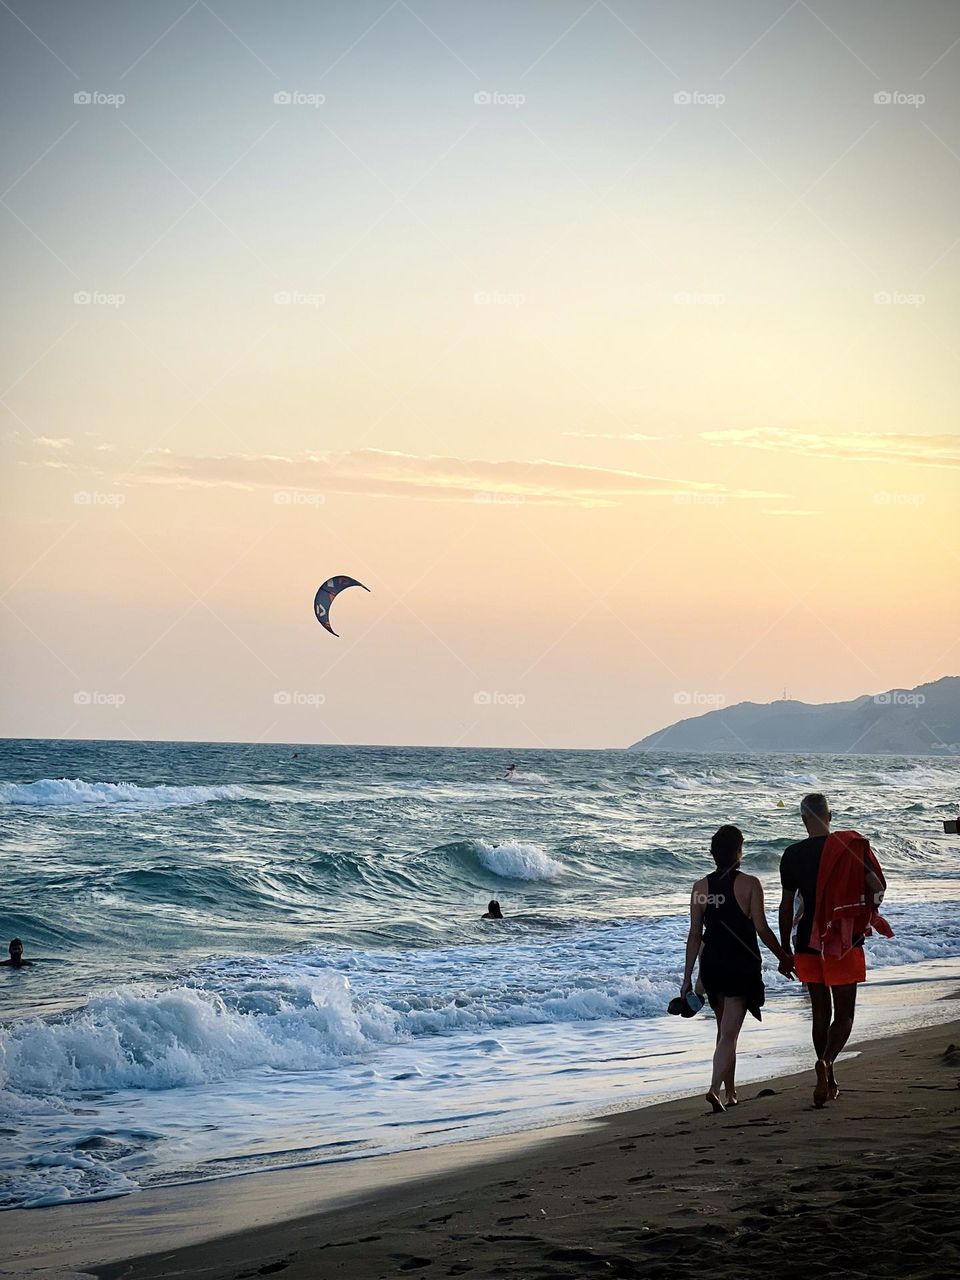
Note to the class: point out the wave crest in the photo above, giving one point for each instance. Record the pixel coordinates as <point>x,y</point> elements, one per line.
<point>53,792</point>
<point>515,860</point>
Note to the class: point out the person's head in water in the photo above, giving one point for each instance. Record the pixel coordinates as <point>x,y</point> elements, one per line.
<point>16,953</point>
<point>816,815</point>
<point>726,847</point>
<point>493,911</point>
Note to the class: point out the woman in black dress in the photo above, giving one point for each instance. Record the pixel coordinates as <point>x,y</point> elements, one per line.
<point>726,918</point>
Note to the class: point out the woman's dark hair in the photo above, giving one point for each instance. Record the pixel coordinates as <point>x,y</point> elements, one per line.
<point>493,909</point>
<point>725,846</point>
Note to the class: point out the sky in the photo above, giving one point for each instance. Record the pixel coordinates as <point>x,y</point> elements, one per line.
<point>613,346</point>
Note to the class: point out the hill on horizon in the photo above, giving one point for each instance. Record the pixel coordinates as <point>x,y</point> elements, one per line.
<point>920,721</point>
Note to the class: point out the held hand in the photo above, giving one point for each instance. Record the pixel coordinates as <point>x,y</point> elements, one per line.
<point>787,966</point>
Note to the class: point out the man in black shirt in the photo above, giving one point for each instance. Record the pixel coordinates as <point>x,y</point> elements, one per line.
<point>831,981</point>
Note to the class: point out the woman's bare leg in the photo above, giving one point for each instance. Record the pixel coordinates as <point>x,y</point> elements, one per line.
<point>725,1058</point>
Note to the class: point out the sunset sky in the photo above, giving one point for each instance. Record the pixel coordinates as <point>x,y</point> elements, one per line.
<point>613,346</point>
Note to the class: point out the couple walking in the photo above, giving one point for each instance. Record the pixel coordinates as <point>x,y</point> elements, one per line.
<point>835,880</point>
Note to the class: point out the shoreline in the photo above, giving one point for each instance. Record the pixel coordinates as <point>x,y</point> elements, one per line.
<point>525,1200</point>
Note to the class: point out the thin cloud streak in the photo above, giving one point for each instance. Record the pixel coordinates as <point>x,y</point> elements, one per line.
<point>612,435</point>
<point>850,446</point>
<point>381,473</point>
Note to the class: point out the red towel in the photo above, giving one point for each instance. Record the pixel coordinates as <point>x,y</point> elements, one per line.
<point>843,915</point>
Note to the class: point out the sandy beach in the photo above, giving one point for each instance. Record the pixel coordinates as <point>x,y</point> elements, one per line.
<point>865,1187</point>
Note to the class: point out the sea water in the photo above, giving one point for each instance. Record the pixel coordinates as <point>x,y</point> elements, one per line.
<point>250,958</point>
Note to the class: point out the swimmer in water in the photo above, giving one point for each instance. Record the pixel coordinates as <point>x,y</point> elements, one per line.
<point>16,960</point>
<point>493,911</point>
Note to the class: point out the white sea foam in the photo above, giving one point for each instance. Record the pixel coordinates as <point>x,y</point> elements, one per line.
<point>515,860</point>
<point>52,792</point>
<point>60,1177</point>
<point>135,1038</point>
<point>146,1039</point>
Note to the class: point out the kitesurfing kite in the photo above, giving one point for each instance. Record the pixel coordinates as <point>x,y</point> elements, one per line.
<point>326,594</point>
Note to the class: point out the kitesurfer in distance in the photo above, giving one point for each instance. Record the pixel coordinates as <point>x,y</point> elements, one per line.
<point>493,911</point>
<point>16,960</point>
<point>511,770</point>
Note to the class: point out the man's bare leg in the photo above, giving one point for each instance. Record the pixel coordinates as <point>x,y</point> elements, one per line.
<point>821,1009</point>
<point>844,1008</point>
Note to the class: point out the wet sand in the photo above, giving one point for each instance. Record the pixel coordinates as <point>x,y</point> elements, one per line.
<point>865,1187</point>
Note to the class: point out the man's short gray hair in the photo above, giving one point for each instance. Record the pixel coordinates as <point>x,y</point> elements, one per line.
<point>815,805</point>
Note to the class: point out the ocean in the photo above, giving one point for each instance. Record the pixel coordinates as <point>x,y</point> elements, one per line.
<point>257,956</point>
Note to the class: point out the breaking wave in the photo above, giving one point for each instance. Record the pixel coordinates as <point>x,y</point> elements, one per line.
<point>52,792</point>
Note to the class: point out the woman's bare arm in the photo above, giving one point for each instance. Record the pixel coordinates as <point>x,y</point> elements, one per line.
<point>698,902</point>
